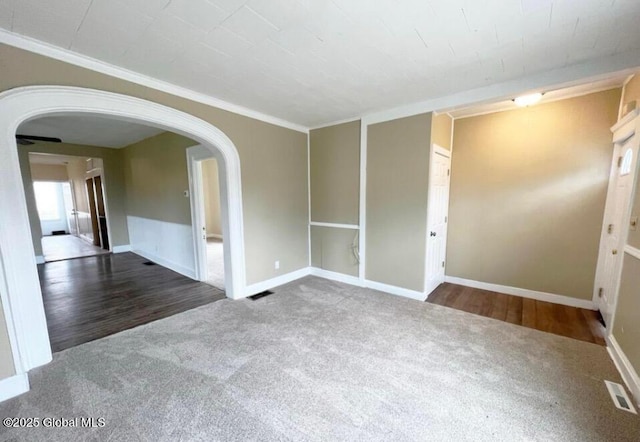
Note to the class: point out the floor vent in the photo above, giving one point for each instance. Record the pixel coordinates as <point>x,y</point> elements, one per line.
<point>149,263</point>
<point>261,295</point>
<point>620,398</point>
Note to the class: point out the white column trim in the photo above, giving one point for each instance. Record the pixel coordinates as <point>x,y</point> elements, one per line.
<point>362,237</point>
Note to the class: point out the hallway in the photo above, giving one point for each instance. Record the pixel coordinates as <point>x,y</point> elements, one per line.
<point>59,247</point>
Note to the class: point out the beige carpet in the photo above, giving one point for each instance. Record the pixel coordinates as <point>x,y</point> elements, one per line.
<point>320,360</point>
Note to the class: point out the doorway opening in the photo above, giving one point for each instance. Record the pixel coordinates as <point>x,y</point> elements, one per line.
<point>209,242</point>
<point>70,206</point>
<point>22,300</point>
<point>212,226</point>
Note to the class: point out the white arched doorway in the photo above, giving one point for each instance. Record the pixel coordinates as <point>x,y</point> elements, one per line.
<point>19,284</point>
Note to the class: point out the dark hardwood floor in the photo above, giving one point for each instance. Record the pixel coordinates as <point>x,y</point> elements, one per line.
<point>90,298</point>
<point>561,320</point>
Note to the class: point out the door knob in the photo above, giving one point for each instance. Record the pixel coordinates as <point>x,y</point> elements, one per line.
<point>614,251</point>
<point>432,234</point>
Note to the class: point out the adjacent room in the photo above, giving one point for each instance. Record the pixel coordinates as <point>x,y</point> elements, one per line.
<point>320,220</point>
<point>113,233</point>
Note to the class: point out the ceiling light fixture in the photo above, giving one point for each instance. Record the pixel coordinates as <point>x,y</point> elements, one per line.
<point>527,100</point>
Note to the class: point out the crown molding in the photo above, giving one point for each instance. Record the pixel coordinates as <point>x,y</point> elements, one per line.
<point>74,58</point>
<point>573,75</point>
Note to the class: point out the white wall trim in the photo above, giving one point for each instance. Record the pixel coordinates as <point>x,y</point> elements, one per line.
<point>628,373</point>
<point>309,199</point>
<point>186,271</point>
<point>14,386</point>
<point>335,276</point>
<point>630,250</point>
<point>626,119</point>
<point>22,302</point>
<point>74,58</point>
<point>277,281</point>
<point>122,249</point>
<point>393,290</point>
<point>362,236</point>
<point>524,293</point>
<point>40,259</point>
<point>214,235</point>
<point>335,225</point>
<point>355,281</point>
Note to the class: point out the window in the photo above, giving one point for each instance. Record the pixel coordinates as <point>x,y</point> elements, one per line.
<point>625,167</point>
<point>47,195</point>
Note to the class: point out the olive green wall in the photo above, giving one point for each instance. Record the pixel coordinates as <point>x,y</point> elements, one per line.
<point>113,182</point>
<point>273,160</point>
<point>626,326</point>
<point>335,173</point>
<point>335,195</point>
<point>211,194</point>
<point>397,180</point>
<point>49,172</point>
<point>6,359</point>
<point>333,249</point>
<point>528,189</point>
<point>155,172</point>
<point>441,130</point>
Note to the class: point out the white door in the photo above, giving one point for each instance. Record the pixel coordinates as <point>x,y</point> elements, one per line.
<point>437,216</point>
<point>615,227</point>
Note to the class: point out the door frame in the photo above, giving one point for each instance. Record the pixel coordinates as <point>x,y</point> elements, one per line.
<point>195,156</point>
<point>434,150</point>
<point>20,287</point>
<point>622,131</point>
<point>95,172</point>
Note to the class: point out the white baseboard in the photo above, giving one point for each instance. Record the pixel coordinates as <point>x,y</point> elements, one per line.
<point>355,281</point>
<point>628,373</point>
<point>40,259</point>
<point>275,282</point>
<point>14,386</point>
<point>393,290</point>
<point>214,235</point>
<point>335,276</point>
<point>190,273</point>
<point>524,293</point>
<point>121,249</point>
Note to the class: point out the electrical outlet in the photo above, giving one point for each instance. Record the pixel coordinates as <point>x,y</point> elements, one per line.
<point>277,265</point>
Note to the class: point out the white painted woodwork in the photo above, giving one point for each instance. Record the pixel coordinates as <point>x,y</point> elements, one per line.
<point>437,217</point>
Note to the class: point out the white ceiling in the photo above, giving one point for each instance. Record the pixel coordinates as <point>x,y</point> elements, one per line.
<point>90,130</point>
<point>315,61</point>
<point>547,97</point>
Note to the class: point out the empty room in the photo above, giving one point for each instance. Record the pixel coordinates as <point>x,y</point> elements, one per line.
<point>319,220</point>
